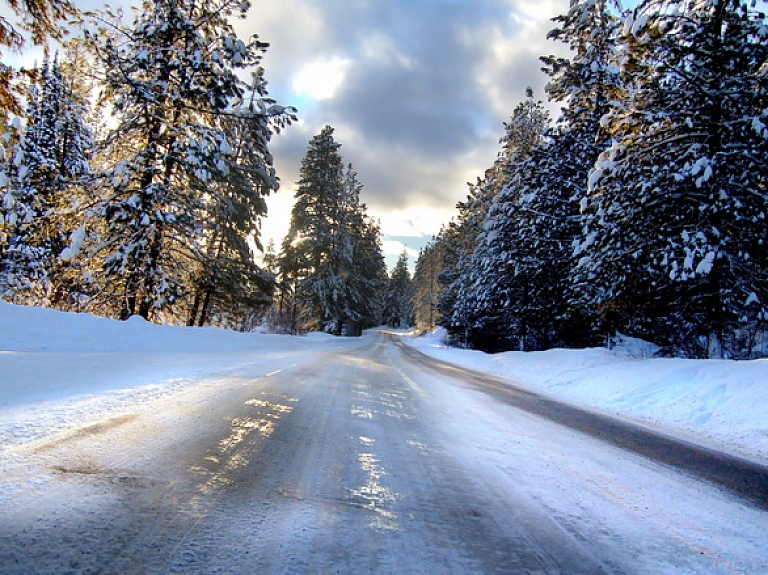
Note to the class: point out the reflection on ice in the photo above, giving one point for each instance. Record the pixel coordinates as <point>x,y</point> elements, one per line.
<point>362,412</point>
<point>230,451</point>
<point>372,495</point>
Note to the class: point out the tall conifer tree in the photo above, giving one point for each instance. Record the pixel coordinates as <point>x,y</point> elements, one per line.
<point>172,81</point>
<point>674,240</point>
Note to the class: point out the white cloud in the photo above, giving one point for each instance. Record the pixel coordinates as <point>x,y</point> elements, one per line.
<point>395,248</point>
<point>321,78</point>
<point>381,48</point>
<point>414,222</point>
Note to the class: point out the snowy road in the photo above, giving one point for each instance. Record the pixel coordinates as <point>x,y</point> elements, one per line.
<point>353,460</point>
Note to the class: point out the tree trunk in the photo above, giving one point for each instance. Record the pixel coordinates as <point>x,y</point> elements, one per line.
<point>206,304</point>
<point>195,308</point>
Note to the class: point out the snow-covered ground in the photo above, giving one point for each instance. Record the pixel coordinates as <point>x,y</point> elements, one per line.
<point>63,370</point>
<point>126,445</point>
<point>60,370</point>
<point>721,404</point>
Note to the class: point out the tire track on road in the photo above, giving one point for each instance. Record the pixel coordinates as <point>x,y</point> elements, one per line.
<point>744,478</point>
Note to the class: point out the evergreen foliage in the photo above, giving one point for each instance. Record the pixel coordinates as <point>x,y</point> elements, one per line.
<point>331,266</point>
<point>171,79</point>
<point>674,235</point>
<point>48,163</point>
<point>157,211</point>
<point>398,302</point>
<point>41,18</point>
<point>427,288</point>
<point>476,305</point>
<point>643,211</point>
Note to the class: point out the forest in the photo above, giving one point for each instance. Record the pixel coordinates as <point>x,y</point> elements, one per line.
<point>641,211</point>
<point>135,164</point>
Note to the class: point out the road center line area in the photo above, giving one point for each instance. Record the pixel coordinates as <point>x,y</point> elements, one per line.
<point>364,458</point>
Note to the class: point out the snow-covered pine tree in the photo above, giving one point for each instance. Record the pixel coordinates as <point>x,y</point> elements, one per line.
<point>465,231</point>
<point>22,269</point>
<point>49,164</point>
<point>398,304</point>
<point>12,210</point>
<point>536,218</point>
<point>485,287</point>
<point>230,286</point>
<point>674,241</point>
<point>332,253</point>
<point>314,233</point>
<point>366,278</point>
<point>171,79</point>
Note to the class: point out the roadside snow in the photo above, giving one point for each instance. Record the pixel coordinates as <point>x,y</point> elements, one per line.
<point>63,370</point>
<point>721,404</point>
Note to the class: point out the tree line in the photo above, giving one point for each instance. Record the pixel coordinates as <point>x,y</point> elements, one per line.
<point>642,211</point>
<point>134,170</point>
<point>133,180</point>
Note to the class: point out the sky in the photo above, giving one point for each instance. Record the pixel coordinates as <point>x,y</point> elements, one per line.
<point>417,91</point>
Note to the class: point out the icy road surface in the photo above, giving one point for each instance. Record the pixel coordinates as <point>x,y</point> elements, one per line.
<point>355,460</point>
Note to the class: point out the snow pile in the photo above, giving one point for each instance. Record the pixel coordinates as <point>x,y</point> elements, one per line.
<point>717,403</point>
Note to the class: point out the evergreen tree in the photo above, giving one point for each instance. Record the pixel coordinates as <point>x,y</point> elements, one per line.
<point>525,259</point>
<point>171,80</point>
<point>399,296</point>
<point>674,237</point>
<point>484,287</point>
<point>49,164</point>
<point>229,283</point>
<point>332,254</point>
<point>367,275</point>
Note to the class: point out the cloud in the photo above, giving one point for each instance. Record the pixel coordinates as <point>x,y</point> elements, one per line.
<point>395,248</point>
<point>320,79</point>
<point>417,91</point>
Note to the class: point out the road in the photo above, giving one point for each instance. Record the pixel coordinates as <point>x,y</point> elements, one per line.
<point>364,459</point>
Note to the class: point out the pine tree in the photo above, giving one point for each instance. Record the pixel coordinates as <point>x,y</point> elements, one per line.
<point>674,239</point>
<point>49,165</point>
<point>332,254</point>
<point>171,80</point>
<point>315,231</point>
<point>399,296</point>
<point>366,277</point>
<point>229,283</point>
<point>535,221</point>
<point>484,284</point>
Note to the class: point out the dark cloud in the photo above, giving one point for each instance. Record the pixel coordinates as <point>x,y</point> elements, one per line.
<point>426,88</point>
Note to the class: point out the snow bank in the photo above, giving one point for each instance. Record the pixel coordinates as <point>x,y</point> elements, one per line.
<point>717,403</point>
<point>59,369</point>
